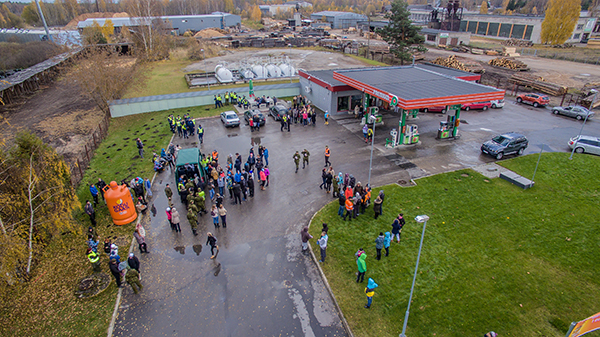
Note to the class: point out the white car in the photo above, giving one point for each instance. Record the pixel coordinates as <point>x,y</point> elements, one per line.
<point>497,103</point>
<point>230,118</point>
<point>585,144</point>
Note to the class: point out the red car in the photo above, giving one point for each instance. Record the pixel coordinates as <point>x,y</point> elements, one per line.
<point>441,109</point>
<point>478,105</point>
<point>534,99</point>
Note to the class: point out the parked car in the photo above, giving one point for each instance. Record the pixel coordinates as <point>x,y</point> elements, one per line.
<point>497,103</point>
<point>504,144</point>
<point>441,109</point>
<point>250,114</point>
<point>585,144</point>
<point>576,111</point>
<point>474,106</point>
<point>277,111</point>
<point>536,100</point>
<point>230,119</point>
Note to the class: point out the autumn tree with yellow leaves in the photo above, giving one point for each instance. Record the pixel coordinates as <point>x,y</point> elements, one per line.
<point>561,18</point>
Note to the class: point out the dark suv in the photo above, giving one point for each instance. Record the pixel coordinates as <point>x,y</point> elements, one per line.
<point>506,143</point>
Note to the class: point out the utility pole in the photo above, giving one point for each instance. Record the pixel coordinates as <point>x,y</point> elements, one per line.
<point>43,20</point>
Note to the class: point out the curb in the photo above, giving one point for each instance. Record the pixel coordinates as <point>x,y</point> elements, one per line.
<point>327,286</point>
<point>111,326</point>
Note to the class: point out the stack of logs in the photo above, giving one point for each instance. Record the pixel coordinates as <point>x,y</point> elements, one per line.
<point>508,63</point>
<point>517,43</point>
<point>459,63</point>
<point>538,83</point>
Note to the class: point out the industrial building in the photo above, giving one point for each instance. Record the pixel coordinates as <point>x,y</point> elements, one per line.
<point>178,24</point>
<point>438,37</point>
<point>339,20</point>
<point>520,27</point>
<point>270,10</point>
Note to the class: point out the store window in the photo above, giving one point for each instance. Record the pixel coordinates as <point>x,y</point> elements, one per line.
<point>580,27</point>
<point>576,36</point>
<point>343,103</point>
<point>430,37</point>
<point>356,100</point>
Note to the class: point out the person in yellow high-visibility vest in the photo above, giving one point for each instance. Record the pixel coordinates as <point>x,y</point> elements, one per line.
<point>227,97</point>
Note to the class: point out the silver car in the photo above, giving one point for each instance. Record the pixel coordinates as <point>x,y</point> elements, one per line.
<point>230,119</point>
<point>575,111</point>
<point>585,144</point>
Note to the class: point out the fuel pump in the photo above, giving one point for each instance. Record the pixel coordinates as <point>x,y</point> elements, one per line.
<point>372,111</point>
<point>394,139</point>
<point>447,127</point>
<point>411,135</point>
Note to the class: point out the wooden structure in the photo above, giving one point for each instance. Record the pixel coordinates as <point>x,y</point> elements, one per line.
<point>29,80</point>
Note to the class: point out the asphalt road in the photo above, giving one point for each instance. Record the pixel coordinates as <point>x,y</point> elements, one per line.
<point>260,284</point>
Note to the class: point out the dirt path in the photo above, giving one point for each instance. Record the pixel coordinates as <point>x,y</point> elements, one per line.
<point>58,113</point>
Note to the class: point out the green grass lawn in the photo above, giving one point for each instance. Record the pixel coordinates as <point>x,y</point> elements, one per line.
<point>495,257</point>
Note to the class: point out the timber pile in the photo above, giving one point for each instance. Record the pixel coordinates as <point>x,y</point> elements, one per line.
<point>538,83</point>
<point>459,63</point>
<point>508,63</point>
<point>517,43</point>
<point>492,53</point>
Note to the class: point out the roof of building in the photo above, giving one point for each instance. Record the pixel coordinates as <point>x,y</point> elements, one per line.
<point>133,21</point>
<point>340,14</point>
<point>444,70</point>
<point>325,76</point>
<point>416,87</point>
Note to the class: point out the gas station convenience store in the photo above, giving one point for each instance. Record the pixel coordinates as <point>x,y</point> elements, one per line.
<point>409,88</point>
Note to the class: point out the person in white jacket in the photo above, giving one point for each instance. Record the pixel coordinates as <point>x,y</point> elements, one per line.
<point>323,245</point>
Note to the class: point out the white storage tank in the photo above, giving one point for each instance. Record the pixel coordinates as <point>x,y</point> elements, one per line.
<point>223,74</point>
<point>287,69</point>
<point>260,71</point>
<point>247,73</point>
<point>273,70</point>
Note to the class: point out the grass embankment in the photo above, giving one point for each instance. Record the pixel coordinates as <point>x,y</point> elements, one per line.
<point>46,306</point>
<point>369,62</point>
<point>495,257</point>
<point>168,77</point>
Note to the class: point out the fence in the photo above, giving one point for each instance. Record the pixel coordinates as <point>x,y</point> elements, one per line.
<point>83,158</point>
<point>133,106</point>
<point>574,55</point>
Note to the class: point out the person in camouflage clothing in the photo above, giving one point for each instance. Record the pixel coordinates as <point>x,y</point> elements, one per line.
<point>133,278</point>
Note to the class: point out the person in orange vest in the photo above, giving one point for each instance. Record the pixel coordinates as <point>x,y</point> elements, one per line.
<point>327,154</point>
<point>215,156</point>
<point>349,209</point>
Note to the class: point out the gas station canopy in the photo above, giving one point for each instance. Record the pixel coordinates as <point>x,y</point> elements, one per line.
<point>414,88</point>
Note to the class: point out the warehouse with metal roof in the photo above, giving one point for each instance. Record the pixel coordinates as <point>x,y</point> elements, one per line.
<point>339,20</point>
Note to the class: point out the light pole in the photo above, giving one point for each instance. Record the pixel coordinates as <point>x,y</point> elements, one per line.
<point>585,120</point>
<point>372,119</point>
<point>290,62</point>
<point>205,71</point>
<point>420,219</point>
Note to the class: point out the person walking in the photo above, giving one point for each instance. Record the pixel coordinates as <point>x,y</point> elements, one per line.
<point>133,262</point>
<point>326,116</point>
<point>386,243</point>
<point>251,186</point>
<point>382,197</point>
<point>362,266</point>
<point>212,241</point>
<point>267,175</point>
<point>349,209</point>
<point>94,193</point>
<point>140,147</point>
<point>322,242</point>
<point>223,215</point>
<point>305,237</point>
<point>141,241</point>
<point>296,158</point>
<point>175,220</point>
<point>379,245</point>
<point>237,193</point>
<point>100,185</point>
<point>397,227</point>
<point>266,156</point>
<point>377,207</point>
<point>168,192</point>
<point>133,278</point>
<point>328,181</point>
<point>114,270</point>
<point>200,133</point>
<point>305,158</point>
<point>327,155</point>
<point>342,201</point>
<point>323,178</point>
<point>214,213</point>
<point>89,210</point>
<point>336,186</point>
<point>365,131</point>
<point>192,216</point>
<point>370,291</point>
<point>263,179</point>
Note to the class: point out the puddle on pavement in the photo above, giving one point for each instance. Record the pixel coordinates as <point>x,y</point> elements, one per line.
<point>232,135</point>
<point>255,141</point>
<point>180,249</point>
<point>197,249</point>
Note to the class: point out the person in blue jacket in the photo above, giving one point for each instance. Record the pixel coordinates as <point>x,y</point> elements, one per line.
<point>370,291</point>
<point>94,193</point>
<point>386,243</point>
<point>266,155</point>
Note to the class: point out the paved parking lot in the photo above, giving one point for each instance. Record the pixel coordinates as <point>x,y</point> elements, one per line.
<point>260,284</point>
